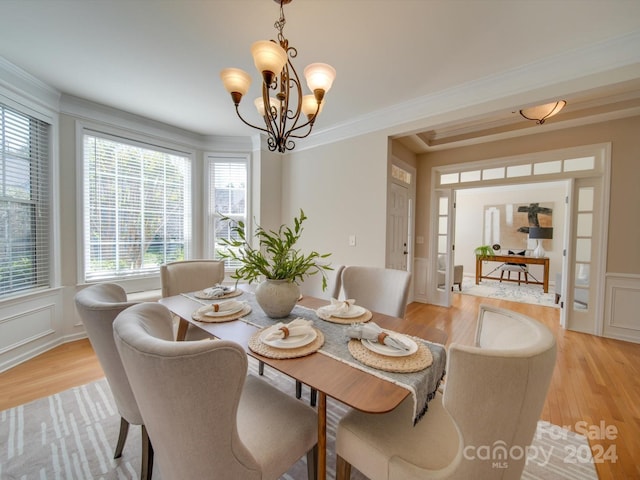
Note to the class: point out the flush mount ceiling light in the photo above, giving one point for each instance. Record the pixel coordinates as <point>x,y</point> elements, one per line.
<point>282,112</point>
<point>540,113</point>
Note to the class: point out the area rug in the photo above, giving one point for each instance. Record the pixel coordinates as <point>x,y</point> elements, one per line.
<point>71,435</point>
<point>511,291</point>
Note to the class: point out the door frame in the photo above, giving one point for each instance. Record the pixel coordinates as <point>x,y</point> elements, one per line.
<point>411,202</point>
<point>514,171</point>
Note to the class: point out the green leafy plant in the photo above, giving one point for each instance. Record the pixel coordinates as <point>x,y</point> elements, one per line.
<point>276,257</point>
<point>484,251</point>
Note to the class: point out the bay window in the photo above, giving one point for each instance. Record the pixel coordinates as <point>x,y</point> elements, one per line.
<point>137,207</point>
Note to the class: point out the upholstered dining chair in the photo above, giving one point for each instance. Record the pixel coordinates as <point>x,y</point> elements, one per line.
<point>98,306</point>
<point>189,276</point>
<point>493,397</point>
<point>382,290</point>
<point>206,417</point>
<point>312,284</point>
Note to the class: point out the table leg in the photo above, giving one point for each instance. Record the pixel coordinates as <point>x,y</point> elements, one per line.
<point>322,435</point>
<point>478,270</point>
<point>182,330</point>
<point>545,281</point>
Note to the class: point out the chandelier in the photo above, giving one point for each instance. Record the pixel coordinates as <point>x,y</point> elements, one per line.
<point>540,113</point>
<point>286,112</point>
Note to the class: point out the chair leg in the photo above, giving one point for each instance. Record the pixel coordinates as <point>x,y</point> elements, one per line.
<point>122,437</point>
<point>526,278</point>
<point>501,275</point>
<point>298,389</point>
<point>343,469</point>
<point>146,468</point>
<point>313,397</point>
<point>260,367</point>
<point>312,463</point>
<point>519,273</point>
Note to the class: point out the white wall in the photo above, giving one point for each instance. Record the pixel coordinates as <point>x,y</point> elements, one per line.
<point>35,322</point>
<point>342,189</point>
<point>470,206</point>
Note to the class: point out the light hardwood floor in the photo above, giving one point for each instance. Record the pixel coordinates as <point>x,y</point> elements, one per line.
<point>595,387</point>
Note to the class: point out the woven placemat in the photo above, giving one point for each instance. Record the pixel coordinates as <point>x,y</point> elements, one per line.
<point>365,317</point>
<point>411,363</point>
<point>255,345</point>
<point>201,317</point>
<point>234,293</point>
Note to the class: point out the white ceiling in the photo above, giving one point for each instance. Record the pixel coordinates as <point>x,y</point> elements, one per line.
<point>161,58</point>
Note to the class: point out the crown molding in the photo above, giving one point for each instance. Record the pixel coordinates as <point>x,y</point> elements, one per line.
<point>115,118</point>
<point>37,94</point>
<point>574,70</point>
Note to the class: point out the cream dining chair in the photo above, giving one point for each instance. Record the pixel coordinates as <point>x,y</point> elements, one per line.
<point>98,306</point>
<point>383,290</point>
<point>208,418</point>
<point>190,276</point>
<point>312,284</point>
<point>493,397</point>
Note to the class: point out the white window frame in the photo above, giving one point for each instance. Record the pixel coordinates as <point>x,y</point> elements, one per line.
<point>147,280</point>
<point>210,213</point>
<point>46,239</point>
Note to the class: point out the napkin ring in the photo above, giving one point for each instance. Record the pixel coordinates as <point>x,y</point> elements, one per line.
<point>216,307</point>
<point>285,330</point>
<point>381,337</point>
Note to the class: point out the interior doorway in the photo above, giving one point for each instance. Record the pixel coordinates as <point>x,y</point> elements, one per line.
<point>491,216</point>
<point>586,172</point>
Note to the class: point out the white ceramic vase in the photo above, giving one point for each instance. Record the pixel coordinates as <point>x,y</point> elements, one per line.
<point>277,297</point>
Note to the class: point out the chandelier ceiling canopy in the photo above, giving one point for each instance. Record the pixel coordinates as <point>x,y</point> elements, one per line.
<point>286,112</point>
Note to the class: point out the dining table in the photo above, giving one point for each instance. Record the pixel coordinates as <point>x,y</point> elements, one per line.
<point>329,376</point>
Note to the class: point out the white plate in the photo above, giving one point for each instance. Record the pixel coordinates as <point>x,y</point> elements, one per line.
<point>290,342</point>
<point>354,311</point>
<point>202,294</point>
<point>390,351</point>
<point>226,308</point>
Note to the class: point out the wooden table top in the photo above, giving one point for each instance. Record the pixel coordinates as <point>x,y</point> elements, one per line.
<point>345,383</point>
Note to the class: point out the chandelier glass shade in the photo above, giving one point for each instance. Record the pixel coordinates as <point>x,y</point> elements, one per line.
<point>540,113</point>
<point>288,113</point>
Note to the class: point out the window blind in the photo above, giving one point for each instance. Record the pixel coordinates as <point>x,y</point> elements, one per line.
<point>24,202</point>
<point>229,198</point>
<point>137,208</point>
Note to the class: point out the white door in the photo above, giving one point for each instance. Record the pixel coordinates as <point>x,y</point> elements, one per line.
<point>398,227</point>
<point>441,262</point>
<point>584,262</point>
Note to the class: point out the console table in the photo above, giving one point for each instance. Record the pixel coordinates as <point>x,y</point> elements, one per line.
<point>544,261</point>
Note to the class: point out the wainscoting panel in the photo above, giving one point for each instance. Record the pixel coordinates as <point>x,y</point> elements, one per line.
<point>30,325</point>
<point>26,327</point>
<point>622,304</point>
<point>420,277</point>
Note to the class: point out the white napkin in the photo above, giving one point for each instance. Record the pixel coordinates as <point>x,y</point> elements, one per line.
<point>226,306</point>
<point>338,307</point>
<point>295,328</point>
<point>216,291</point>
<point>372,332</point>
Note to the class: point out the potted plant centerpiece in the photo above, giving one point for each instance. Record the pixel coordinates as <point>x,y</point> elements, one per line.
<point>275,263</point>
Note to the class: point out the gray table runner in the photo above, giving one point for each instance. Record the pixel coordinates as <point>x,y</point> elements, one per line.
<point>422,385</point>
